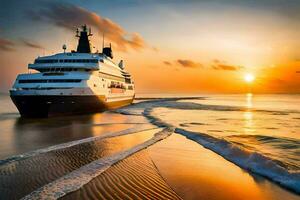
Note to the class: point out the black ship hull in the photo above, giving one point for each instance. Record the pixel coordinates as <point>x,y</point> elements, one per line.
<point>45,106</point>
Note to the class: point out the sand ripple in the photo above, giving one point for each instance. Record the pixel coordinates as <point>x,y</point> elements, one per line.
<point>21,177</point>
<point>82,176</point>
<point>135,177</point>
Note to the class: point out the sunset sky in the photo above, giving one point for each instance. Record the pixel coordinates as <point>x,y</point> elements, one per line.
<point>168,46</point>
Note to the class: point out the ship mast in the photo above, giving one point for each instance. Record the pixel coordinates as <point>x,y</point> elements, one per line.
<point>83,42</point>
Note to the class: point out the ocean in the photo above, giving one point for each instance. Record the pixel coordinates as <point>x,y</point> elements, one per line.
<point>258,134</point>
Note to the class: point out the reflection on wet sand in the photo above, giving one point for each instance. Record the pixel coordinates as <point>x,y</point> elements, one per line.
<point>197,173</point>
<point>173,168</point>
<point>19,178</point>
<point>20,135</point>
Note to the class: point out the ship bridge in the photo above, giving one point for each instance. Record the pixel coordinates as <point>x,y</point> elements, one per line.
<point>67,62</point>
<point>80,60</point>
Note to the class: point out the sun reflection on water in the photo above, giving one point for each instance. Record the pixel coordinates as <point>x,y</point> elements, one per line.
<point>249,100</point>
<point>248,115</point>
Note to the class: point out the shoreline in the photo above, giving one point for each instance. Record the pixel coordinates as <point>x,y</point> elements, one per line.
<point>185,167</point>
<point>195,173</point>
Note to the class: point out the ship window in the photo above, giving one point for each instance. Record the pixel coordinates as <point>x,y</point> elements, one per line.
<point>59,69</point>
<point>47,88</point>
<point>130,87</point>
<point>127,80</point>
<point>32,81</point>
<point>67,61</point>
<point>51,81</point>
<point>53,74</point>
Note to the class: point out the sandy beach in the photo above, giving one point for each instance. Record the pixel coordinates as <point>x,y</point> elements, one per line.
<point>131,153</point>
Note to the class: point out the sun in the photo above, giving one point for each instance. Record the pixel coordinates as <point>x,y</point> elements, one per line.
<point>249,78</point>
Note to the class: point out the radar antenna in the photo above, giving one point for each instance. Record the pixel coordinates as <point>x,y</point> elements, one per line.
<point>77,32</point>
<point>90,32</point>
<point>64,48</point>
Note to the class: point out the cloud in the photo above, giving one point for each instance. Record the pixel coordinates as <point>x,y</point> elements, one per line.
<point>167,63</point>
<point>216,61</point>
<point>6,45</point>
<point>298,72</point>
<point>188,63</point>
<point>221,65</point>
<point>226,67</point>
<point>31,44</point>
<point>70,16</point>
<point>155,49</point>
<point>183,63</point>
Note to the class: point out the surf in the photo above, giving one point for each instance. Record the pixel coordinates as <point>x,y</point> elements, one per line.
<point>252,161</point>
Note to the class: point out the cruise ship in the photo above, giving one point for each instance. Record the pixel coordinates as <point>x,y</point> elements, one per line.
<point>73,82</point>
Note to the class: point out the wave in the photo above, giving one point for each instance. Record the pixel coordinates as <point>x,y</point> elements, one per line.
<point>249,160</point>
<point>252,161</point>
<point>268,139</point>
<point>73,143</point>
<point>176,103</point>
<point>282,149</point>
<point>80,177</point>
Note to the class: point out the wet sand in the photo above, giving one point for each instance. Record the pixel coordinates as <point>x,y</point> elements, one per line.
<point>19,178</point>
<point>19,135</point>
<point>133,178</point>
<point>197,173</point>
<point>173,168</point>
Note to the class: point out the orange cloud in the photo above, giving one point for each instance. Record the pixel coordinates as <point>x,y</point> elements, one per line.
<point>188,63</point>
<point>219,65</point>
<point>226,67</point>
<point>282,78</point>
<point>6,45</point>
<point>167,63</point>
<point>184,63</point>
<point>70,16</point>
<point>31,44</point>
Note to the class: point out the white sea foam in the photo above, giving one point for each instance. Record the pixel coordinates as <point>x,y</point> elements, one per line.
<point>251,161</point>
<point>76,142</point>
<point>76,179</point>
<point>180,103</point>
